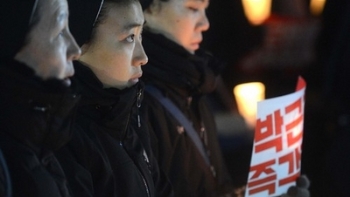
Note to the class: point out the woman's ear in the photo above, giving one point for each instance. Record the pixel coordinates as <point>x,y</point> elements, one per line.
<point>153,8</point>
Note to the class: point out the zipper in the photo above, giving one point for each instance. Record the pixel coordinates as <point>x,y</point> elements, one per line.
<point>204,137</point>
<point>143,178</point>
<point>138,105</point>
<point>146,186</point>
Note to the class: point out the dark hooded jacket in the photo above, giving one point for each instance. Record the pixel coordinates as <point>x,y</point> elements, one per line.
<point>36,115</point>
<point>5,180</point>
<point>110,119</point>
<point>110,152</point>
<point>36,118</point>
<point>185,79</point>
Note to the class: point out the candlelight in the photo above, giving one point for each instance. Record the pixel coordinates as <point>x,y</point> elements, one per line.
<point>247,96</point>
<point>316,7</point>
<point>257,11</point>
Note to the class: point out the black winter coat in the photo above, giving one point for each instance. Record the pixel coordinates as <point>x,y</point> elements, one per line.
<point>5,182</point>
<point>36,118</point>
<point>185,79</point>
<point>109,121</point>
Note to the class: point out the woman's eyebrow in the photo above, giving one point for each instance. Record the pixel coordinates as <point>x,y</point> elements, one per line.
<point>206,2</point>
<point>133,25</point>
<point>60,16</point>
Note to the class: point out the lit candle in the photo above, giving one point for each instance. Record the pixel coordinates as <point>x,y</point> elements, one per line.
<point>316,6</point>
<point>247,96</point>
<point>257,11</point>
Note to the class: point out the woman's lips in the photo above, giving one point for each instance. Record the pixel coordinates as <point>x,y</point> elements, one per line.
<point>195,45</point>
<point>136,78</point>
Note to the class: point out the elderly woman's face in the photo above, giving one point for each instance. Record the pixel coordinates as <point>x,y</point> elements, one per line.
<point>182,21</point>
<point>51,47</point>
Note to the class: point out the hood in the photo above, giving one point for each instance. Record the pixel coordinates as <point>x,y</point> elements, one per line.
<point>82,18</point>
<point>145,4</point>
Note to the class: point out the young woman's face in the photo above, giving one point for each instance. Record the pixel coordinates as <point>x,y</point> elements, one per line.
<point>182,21</point>
<point>115,53</point>
<point>51,47</point>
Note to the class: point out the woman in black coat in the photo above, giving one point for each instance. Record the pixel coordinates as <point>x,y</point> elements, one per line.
<point>178,77</point>
<point>111,142</point>
<point>5,180</point>
<point>36,100</point>
<point>184,75</point>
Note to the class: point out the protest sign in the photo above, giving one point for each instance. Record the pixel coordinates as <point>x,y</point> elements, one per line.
<point>276,156</point>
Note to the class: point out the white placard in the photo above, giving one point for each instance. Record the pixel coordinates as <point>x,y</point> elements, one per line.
<point>275,162</point>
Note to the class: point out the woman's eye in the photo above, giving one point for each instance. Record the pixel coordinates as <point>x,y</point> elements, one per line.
<point>61,33</point>
<point>193,9</point>
<point>130,38</point>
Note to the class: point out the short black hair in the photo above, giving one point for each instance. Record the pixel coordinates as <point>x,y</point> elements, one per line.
<point>146,3</point>
<point>86,15</point>
<point>34,19</point>
<point>107,5</point>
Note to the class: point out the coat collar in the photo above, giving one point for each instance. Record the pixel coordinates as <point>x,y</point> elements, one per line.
<point>36,112</point>
<point>169,63</point>
<point>110,108</point>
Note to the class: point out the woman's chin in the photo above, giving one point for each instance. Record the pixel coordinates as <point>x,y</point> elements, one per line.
<point>67,82</point>
<point>192,48</point>
<point>133,81</point>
